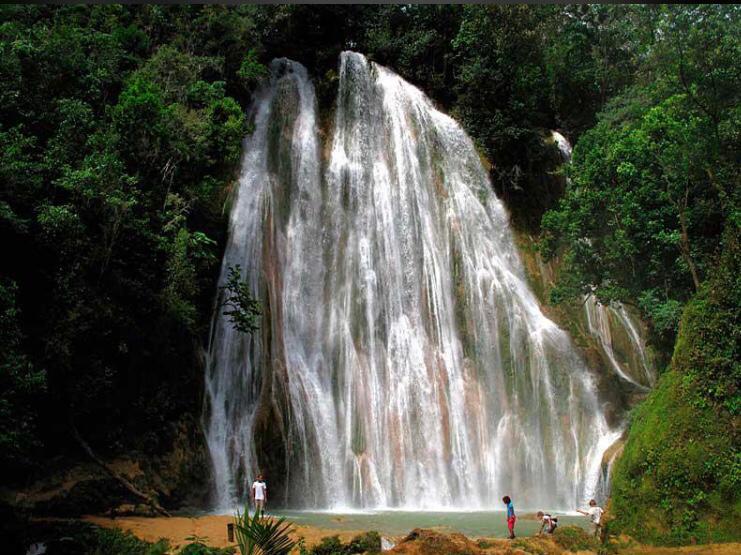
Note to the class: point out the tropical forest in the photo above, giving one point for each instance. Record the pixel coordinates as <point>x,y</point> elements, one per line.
<point>336,279</point>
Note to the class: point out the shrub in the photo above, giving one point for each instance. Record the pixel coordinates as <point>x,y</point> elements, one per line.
<point>330,545</point>
<point>573,538</point>
<point>199,547</point>
<point>370,542</point>
<point>104,541</point>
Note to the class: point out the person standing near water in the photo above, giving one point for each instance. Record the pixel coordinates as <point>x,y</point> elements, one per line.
<point>595,515</point>
<point>511,517</point>
<point>259,493</point>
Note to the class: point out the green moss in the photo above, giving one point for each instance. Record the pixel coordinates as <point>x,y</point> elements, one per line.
<point>574,538</point>
<point>680,474</point>
<point>462,316</point>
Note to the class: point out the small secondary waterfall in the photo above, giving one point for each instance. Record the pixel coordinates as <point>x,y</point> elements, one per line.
<point>620,335</point>
<point>402,360</point>
<point>622,341</point>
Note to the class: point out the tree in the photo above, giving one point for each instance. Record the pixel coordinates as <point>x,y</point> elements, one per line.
<point>243,311</point>
<point>20,385</point>
<point>642,217</point>
<point>119,140</point>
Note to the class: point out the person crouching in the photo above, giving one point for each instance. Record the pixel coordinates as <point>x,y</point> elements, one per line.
<point>548,523</point>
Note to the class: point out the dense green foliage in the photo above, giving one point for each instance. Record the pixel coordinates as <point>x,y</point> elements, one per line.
<point>20,386</point>
<point>679,477</point>
<point>100,541</point>
<point>655,182</point>
<point>119,135</point>
<point>202,548</point>
<point>110,541</point>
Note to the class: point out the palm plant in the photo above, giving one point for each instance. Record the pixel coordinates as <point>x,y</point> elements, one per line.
<point>262,536</point>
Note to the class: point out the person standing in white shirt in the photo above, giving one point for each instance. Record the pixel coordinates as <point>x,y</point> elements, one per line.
<point>595,515</point>
<point>259,493</point>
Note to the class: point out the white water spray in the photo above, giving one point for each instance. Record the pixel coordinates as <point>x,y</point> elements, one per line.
<point>402,361</point>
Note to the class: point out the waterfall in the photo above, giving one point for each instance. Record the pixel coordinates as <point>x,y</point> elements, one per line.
<point>563,144</point>
<point>402,359</point>
<point>608,323</point>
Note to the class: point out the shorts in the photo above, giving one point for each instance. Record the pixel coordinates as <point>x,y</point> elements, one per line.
<point>511,524</point>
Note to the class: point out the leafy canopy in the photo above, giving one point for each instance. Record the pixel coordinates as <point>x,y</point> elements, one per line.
<point>653,184</point>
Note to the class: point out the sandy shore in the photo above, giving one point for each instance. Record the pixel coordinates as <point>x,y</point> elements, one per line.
<point>213,527</point>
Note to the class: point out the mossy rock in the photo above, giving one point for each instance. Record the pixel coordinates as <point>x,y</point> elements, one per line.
<point>431,542</point>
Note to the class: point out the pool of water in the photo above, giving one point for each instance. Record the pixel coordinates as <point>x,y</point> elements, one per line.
<point>398,523</point>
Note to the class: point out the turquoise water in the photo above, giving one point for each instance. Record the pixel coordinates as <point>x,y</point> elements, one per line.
<point>399,523</point>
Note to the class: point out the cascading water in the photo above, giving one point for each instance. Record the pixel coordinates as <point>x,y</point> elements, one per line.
<point>563,144</point>
<point>606,323</point>
<point>403,360</point>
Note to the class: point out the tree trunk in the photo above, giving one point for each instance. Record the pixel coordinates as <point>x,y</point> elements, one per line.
<point>685,242</point>
<point>147,498</point>
<point>685,247</point>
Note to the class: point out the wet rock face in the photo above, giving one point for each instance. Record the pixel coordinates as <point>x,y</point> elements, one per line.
<point>175,475</point>
<point>96,494</point>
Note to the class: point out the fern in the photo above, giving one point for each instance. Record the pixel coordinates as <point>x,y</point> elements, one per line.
<point>260,535</point>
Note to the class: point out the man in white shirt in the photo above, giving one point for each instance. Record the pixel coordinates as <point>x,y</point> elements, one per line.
<point>259,493</point>
<point>595,515</point>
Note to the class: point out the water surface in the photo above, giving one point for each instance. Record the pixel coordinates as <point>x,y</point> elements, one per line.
<point>398,523</point>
